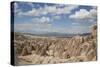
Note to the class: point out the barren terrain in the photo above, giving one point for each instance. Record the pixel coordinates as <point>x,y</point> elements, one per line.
<point>44,50</point>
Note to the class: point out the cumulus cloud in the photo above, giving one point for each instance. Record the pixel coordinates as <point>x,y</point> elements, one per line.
<point>18,11</point>
<point>33,12</point>
<point>49,10</point>
<point>42,20</point>
<point>84,14</point>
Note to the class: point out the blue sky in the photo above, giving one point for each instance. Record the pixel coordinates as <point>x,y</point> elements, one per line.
<point>47,17</point>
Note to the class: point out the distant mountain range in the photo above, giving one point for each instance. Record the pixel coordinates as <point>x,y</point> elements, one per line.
<point>54,34</point>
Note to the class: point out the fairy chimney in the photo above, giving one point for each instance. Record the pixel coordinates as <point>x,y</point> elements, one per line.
<point>94,31</point>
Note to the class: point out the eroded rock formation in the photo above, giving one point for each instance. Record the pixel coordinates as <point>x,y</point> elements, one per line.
<point>57,50</point>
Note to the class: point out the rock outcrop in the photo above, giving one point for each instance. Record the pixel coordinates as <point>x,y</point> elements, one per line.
<point>57,50</point>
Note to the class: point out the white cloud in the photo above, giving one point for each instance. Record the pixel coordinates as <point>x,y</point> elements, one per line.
<point>33,12</point>
<point>93,13</point>
<point>81,14</point>
<point>19,12</point>
<point>42,20</point>
<point>64,10</point>
<point>84,14</point>
<point>49,10</point>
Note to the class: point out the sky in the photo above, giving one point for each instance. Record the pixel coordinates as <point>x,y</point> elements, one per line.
<point>32,17</point>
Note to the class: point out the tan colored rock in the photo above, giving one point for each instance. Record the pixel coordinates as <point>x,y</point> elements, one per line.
<point>24,51</point>
<point>94,31</point>
<point>91,54</point>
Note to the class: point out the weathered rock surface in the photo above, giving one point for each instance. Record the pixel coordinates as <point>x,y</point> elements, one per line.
<point>57,50</point>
